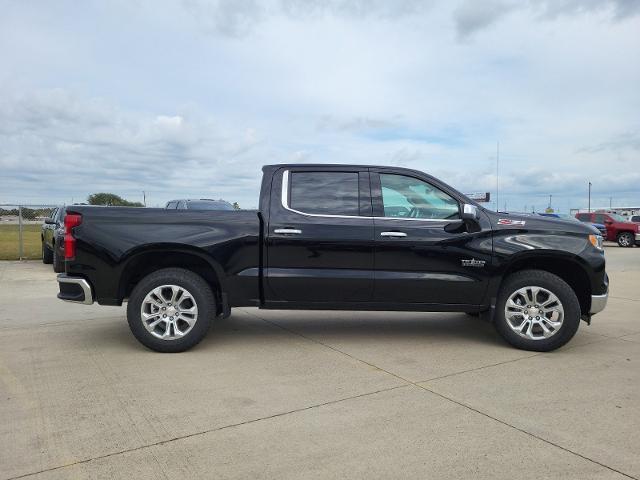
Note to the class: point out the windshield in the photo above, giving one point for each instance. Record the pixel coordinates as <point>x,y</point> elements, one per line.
<point>209,205</point>
<point>617,218</point>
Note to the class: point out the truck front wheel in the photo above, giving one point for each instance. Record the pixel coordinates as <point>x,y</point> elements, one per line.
<point>625,239</point>
<point>171,310</point>
<point>536,310</point>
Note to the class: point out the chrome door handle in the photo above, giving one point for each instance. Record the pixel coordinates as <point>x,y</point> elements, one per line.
<point>393,234</point>
<point>290,231</point>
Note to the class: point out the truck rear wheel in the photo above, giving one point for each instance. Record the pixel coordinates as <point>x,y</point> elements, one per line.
<point>537,310</point>
<point>625,239</point>
<point>171,310</point>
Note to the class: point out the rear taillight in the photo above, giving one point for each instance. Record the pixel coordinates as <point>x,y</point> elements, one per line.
<point>70,220</point>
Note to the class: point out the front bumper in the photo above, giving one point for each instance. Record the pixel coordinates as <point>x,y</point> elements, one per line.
<point>598,302</point>
<point>637,238</point>
<point>74,289</point>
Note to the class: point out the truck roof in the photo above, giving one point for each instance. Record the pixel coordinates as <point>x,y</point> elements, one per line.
<point>276,166</point>
<point>341,165</point>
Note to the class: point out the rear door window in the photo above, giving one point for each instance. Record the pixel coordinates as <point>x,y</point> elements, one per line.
<point>325,193</point>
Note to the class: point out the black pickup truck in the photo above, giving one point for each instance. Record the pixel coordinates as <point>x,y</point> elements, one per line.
<point>347,237</point>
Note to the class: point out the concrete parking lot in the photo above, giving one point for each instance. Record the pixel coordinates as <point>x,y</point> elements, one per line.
<point>320,395</point>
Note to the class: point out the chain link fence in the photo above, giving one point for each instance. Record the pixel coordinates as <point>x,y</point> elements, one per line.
<point>21,229</point>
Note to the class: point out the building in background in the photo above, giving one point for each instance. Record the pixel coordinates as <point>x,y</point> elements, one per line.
<point>482,197</point>
<point>624,211</point>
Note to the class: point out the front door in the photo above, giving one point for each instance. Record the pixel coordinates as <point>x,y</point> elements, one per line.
<point>424,253</point>
<point>320,236</point>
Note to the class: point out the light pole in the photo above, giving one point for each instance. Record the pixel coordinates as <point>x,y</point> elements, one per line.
<point>589,207</point>
<point>497,176</point>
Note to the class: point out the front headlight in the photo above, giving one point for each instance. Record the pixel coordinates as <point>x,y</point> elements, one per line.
<point>596,241</point>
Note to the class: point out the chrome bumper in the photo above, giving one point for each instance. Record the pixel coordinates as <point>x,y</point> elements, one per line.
<point>637,237</point>
<point>74,289</point>
<point>598,302</point>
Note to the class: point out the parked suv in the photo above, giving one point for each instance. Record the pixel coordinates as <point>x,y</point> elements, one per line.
<point>198,204</point>
<point>626,233</point>
<point>52,237</point>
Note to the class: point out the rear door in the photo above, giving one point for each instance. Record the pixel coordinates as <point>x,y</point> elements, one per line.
<point>320,236</point>
<point>424,253</point>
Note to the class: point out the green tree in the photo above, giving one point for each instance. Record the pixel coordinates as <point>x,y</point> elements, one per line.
<point>110,199</point>
<point>236,206</point>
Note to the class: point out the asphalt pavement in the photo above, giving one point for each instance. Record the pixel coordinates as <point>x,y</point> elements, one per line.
<point>291,395</point>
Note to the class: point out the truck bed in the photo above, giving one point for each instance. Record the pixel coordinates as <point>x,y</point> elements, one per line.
<point>115,242</point>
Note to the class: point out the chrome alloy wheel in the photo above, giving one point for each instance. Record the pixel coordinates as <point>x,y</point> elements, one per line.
<point>534,313</point>
<point>625,240</point>
<point>169,312</point>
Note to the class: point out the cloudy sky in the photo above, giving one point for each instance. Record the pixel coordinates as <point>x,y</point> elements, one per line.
<point>190,98</point>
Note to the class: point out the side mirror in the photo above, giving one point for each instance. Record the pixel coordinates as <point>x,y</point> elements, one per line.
<point>470,212</point>
<point>49,221</point>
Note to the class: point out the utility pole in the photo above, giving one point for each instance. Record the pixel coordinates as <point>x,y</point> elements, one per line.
<point>550,200</point>
<point>497,175</point>
<point>144,198</point>
<point>610,202</point>
<point>589,205</point>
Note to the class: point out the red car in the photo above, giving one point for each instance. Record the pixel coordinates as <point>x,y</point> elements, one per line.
<point>619,229</point>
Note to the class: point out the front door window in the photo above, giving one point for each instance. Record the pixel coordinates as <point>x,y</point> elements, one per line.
<point>408,197</point>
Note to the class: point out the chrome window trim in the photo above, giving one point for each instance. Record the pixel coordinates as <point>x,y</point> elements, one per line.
<point>285,204</point>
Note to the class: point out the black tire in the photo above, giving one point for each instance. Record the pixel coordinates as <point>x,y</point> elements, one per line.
<point>626,239</point>
<point>202,295</point>
<point>553,284</point>
<point>58,261</point>
<point>47,254</point>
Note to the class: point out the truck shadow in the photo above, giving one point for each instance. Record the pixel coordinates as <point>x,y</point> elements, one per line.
<point>364,327</point>
<point>274,328</point>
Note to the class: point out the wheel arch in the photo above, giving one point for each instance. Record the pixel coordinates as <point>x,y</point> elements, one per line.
<point>142,263</point>
<point>568,268</point>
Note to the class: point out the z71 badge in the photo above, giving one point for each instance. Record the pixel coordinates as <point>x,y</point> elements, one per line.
<point>472,262</point>
<point>507,221</point>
